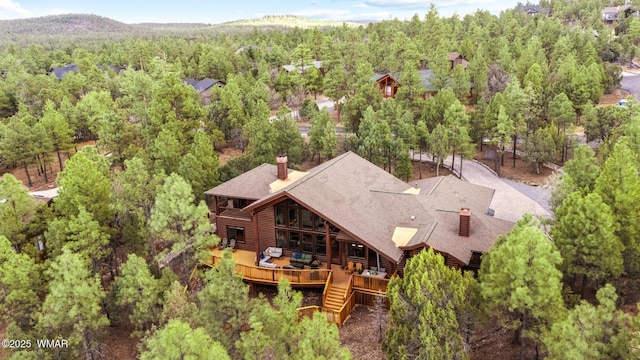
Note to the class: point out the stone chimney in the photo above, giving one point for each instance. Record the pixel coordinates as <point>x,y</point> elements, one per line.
<point>465,222</point>
<point>281,160</point>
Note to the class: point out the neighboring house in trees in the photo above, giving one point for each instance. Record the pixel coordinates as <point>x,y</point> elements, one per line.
<point>389,84</point>
<point>303,69</point>
<point>613,13</point>
<point>533,10</point>
<point>60,71</point>
<point>348,210</point>
<point>457,59</point>
<point>204,88</point>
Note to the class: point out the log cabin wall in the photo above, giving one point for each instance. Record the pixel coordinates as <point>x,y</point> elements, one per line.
<point>223,224</point>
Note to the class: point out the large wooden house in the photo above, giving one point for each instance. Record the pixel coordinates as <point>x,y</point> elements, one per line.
<point>350,210</point>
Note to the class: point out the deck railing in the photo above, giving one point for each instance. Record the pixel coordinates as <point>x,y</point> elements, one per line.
<point>327,286</point>
<point>349,289</point>
<point>370,283</point>
<point>272,276</point>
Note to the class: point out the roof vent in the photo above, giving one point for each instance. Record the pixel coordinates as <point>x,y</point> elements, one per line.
<point>413,217</point>
<point>465,222</point>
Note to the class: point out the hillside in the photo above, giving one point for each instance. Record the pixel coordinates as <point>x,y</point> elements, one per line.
<point>285,21</point>
<point>67,24</point>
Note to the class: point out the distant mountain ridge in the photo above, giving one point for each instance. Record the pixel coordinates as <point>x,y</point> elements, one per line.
<point>87,24</point>
<point>67,24</point>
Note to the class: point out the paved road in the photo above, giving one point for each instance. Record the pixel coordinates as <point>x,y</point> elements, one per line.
<point>511,200</point>
<point>631,83</point>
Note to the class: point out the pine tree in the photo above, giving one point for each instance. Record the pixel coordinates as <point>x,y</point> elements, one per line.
<point>520,283</point>
<point>583,168</point>
<point>84,183</point>
<point>177,341</point>
<point>72,308</point>
<point>199,167</point>
<point>138,289</point>
<point>619,186</point>
<point>182,227</point>
<point>19,289</point>
<point>592,332</point>
<point>60,133</point>
<point>224,303</point>
<point>16,209</point>
<point>426,309</point>
<point>584,234</point>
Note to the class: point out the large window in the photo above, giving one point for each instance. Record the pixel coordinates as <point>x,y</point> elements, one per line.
<point>300,229</point>
<point>235,232</point>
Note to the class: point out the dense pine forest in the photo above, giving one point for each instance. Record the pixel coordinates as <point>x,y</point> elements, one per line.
<point>133,146</point>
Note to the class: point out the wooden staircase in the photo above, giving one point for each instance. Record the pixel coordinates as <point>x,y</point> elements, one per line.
<point>335,298</point>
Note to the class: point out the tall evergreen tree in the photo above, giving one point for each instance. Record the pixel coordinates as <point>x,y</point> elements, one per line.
<point>520,282</point>
<point>16,209</point>
<point>619,186</point>
<point>224,303</point>
<point>180,227</point>
<point>426,309</point>
<point>138,289</point>
<point>592,332</point>
<point>585,235</point>
<point>177,341</point>
<point>72,308</point>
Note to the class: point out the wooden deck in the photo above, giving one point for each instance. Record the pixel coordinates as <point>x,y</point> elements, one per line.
<point>245,265</point>
<point>342,291</point>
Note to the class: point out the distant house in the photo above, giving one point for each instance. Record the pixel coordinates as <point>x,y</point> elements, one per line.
<point>302,69</point>
<point>457,59</point>
<point>389,84</point>
<point>204,88</point>
<point>612,13</point>
<point>533,10</point>
<point>59,72</point>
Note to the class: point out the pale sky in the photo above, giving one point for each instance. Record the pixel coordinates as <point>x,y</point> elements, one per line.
<point>217,11</point>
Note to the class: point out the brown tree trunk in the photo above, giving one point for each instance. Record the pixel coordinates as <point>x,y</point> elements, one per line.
<point>515,139</point>
<point>26,170</point>
<point>522,339</point>
<point>59,158</point>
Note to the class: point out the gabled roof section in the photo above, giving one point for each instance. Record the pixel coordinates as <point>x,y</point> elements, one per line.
<point>252,185</point>
<point>203,84</point>
<point>59,72</point>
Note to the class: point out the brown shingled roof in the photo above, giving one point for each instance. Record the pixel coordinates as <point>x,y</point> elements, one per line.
<point>367,203</point>
<point>252,185</point>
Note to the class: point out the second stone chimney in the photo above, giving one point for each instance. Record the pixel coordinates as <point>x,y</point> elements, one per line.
<point>465,222</point>
<point>281,160</point>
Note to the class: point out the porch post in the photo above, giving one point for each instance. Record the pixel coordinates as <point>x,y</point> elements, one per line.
<point>327,240</point>
<point>254,220</point>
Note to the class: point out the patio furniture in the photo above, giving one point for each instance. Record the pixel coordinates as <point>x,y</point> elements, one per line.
<point>273,252</point>
<point>315,264</point>
<point>299,260</point>
<point>223,244</point>
<point>232,244</point>
<point>359,268</point>
<point>349,267</point>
